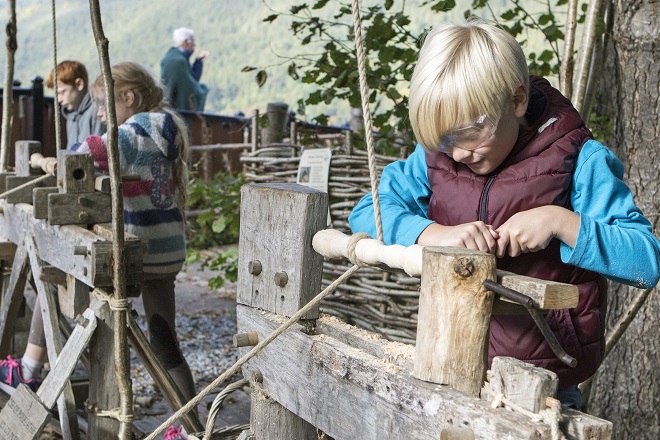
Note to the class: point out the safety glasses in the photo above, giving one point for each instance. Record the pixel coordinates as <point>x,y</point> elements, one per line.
<point>470,137</point>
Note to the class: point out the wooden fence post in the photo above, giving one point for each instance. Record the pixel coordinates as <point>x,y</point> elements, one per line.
<point>454,315</point>
<point>279,272</point>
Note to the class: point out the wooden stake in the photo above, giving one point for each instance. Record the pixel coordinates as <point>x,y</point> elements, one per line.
<point>454,315</point>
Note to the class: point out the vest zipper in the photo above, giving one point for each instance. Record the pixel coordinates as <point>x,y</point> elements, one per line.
<point>484,198</point>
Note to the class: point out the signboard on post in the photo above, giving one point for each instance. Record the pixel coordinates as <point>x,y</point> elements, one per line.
<point>314,169</point>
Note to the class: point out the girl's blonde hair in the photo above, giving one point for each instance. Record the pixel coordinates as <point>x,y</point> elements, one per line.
<point>150,97</point>
<point>463,72</point>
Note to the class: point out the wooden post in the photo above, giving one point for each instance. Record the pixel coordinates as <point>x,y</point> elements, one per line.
<point>103,388</point>
<point>279,271</point>
<point>276,113</point>
<point>454,315</point>
<point>11,301</point>
<point>524,384</point>
<point>270,420</point>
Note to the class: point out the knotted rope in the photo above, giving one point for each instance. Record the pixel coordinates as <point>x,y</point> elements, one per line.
<point>352,244</point>
<point>368,124</point>
<point>115,304</point>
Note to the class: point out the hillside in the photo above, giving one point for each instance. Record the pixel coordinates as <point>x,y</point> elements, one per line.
<point>232,31</point>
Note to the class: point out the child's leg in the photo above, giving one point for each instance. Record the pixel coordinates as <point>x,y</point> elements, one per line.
<point>35,352</point>
<point>159,308</point>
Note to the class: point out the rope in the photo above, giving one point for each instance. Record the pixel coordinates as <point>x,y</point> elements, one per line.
<point>368,124</point>
<point>217,403</point>
<point>58,141</point>
<point>115,304</point>
<point>550,415</point>
<point>253,352</point>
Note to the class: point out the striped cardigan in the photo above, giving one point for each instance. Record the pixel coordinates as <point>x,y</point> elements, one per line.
<point>148,147</point>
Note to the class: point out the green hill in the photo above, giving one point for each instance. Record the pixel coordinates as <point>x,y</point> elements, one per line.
<point>232,31</point>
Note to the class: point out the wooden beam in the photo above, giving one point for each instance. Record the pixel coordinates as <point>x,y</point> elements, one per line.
<point>79,208</point>
<point>24,195</point>
<point>11,302</point>
<point>73,297</point>
<point>350,394</point>
<point>75,172</point>
<point>270,420</point>
<point>60,247</point>
<point>66,403</point>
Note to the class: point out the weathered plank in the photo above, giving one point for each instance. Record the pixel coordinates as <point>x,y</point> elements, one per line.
<point>58,246</point>
<point>35,407</point>
<point>282,270</point>
<point>40,201</point>
<point>73,297</point>
<point>11,302</point>
<point>24,195</point>
<point>48,302</point>
<point>350,394</point>
<point>7,250</point>
<point>79,208</point>
<point>23,416</point>
<point>580,426</point>
<point>453,319</point>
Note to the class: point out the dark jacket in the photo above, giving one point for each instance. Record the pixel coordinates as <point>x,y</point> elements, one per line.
<point>82,122</point>
<point>182,88</point>
<point>537,172</point>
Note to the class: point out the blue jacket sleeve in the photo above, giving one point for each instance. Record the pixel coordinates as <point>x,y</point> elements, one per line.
<point>614,239</point>
<point>404,194</point>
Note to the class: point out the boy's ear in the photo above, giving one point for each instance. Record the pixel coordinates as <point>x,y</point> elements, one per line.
<point>80,84</point>
<point>520,101</point>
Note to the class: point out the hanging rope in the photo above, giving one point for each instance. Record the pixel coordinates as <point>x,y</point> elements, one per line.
<point>368,124</point>
<point>249,355</point>
<point>58,140</point>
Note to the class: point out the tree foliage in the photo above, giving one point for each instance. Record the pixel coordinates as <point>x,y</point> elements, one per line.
<point>391,46</point>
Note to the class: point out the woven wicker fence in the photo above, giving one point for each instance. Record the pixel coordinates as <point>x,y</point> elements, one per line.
<point>384,303</point>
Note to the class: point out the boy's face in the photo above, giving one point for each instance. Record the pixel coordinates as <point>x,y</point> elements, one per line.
<point>70,96</point>
<point>494,147</point>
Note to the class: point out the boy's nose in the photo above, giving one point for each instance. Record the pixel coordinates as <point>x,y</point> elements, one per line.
<point>460,155</point>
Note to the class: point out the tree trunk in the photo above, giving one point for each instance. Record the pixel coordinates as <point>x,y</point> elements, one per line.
<point>627,386</point>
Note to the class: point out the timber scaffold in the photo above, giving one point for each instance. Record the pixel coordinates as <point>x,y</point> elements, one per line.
<point>54,232</point>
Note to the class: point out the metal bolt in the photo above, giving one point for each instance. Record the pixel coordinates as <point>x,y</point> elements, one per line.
<point>464,267</point>
<point>254,267</point>
<point>281,278</point>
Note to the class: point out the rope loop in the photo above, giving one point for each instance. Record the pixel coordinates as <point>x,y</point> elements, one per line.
<point>115,304</point>
<point>114,413</point>
<point>352,244</point>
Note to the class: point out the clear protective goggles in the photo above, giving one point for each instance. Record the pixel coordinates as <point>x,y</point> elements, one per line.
<point>470,137</point>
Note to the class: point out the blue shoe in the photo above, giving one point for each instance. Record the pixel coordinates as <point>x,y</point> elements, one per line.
<point>10,376</point>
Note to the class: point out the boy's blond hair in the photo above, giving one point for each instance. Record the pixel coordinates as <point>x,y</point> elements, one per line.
<point>463,72</point>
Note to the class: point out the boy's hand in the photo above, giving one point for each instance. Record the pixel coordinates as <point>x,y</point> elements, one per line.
<point>476,236</point>
<point>532,230</point>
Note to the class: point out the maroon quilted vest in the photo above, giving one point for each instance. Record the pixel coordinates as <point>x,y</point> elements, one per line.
<point>538,172</point>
